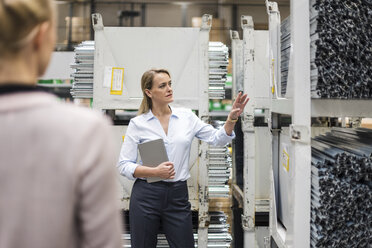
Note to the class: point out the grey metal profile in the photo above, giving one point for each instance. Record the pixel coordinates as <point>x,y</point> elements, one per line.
<point>341,183</point>
<point>218,61</point>
<point>82,86</point>
<point>341,49</point>
<point>219,169</point>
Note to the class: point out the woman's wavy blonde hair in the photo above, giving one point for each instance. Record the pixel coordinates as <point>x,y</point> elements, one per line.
<point>146,83</point>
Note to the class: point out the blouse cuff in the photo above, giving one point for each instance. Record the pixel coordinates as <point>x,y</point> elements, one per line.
<point>129,171</point>
<point>222,133</point>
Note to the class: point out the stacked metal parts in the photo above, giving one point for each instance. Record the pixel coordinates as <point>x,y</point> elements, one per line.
<point>219,171</point>
<point>341,189</point>
<point>218,236</point>
<point>285,38</point>
<point>82,86</point>
<point>219,168</point>
<point>341,48</point>
<point>218,62</point>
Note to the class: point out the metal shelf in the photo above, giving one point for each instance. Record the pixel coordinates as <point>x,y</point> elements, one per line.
<point>282,106</point>
<point>68,86</point>
<point>341,108</point>
<point>219,113</point>
<point>328,107</point>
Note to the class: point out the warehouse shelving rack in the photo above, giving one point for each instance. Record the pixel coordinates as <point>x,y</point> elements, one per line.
<point>299,105</point>
<point>250,72</point>
<point>184,51</point>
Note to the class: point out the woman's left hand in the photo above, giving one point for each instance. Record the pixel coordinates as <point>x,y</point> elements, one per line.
<point>238,106</point>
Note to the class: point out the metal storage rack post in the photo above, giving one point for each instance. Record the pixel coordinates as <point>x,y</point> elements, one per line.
<point>297,233</point>
<point>250,72</point>
<point>184,51</point>
<point>291,184</point>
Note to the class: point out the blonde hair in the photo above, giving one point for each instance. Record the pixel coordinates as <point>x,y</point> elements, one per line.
<point>146,83</point>
<point>18,20</point>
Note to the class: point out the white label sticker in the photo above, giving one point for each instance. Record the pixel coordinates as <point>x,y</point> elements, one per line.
<point>107,77</point>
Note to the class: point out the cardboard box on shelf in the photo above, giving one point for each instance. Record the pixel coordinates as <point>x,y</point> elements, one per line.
<point>220,203</point>
<point>217,204</point>
<point>366,123</point>
<point>229,67</point>
<point>218,31</point>
<point>80,29</point>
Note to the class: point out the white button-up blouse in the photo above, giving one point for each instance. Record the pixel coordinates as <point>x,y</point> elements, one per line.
<point>183,126</point>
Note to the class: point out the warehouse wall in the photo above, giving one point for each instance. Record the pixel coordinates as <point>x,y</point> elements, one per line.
<point>161,15</point>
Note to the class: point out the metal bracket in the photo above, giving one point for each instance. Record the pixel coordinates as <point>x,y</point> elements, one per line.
<point>247,223</point>
<point>204,220</point>
<point>234,35</point>
<point>299,133</point>
<point>247,22</point>
<point>97,21</point>
<point>205,118</point>
<point>247,123</point>
<point>271,7</point>
<point>203,197</point>
<point>206,22</point>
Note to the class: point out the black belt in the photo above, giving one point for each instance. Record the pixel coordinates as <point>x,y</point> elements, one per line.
<point>163,182</point>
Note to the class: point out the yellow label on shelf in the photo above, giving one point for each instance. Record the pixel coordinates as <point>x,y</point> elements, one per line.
<point>285,159</point>
<point>117,79</point>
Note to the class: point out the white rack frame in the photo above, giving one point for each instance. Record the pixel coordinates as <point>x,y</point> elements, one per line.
<point>250,71</point>
<point>301,107</point>
<point>108,52</point>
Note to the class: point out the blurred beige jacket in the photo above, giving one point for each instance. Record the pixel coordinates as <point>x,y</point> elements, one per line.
<point>57,175</point>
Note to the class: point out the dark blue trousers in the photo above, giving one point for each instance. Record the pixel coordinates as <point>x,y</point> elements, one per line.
<point>166,202</point>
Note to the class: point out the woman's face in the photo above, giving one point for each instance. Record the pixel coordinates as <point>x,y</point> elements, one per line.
<point>161,91</point>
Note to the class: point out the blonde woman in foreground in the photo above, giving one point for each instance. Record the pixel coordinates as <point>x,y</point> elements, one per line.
<point>57,171</point>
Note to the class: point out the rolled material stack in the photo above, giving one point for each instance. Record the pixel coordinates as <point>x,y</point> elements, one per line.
<point>341,48</point>
<point>341,189</point>
<point>218,62</point>
<point>82,86</point>
<point>285,38</point>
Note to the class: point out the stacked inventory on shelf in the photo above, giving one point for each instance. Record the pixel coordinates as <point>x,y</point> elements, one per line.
<point>219,168</point>
<point>218,62</point>
<point>218,236</point>
<point>341,49</point>
<point>82,86</point>
<point>285,37</point>
<point>341,189</point>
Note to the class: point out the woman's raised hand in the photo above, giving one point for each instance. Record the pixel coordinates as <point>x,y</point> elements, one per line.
<point>238,106</point>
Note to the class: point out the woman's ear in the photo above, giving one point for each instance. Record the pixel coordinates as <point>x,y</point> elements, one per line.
<point>148,93</point>
<point>40,36</point>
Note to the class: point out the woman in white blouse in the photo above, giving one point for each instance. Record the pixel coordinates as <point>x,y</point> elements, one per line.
<point>166,201</point>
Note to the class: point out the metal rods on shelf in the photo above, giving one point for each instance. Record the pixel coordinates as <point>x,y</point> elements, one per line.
<point>341,48</point>
<point>341,189</point>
